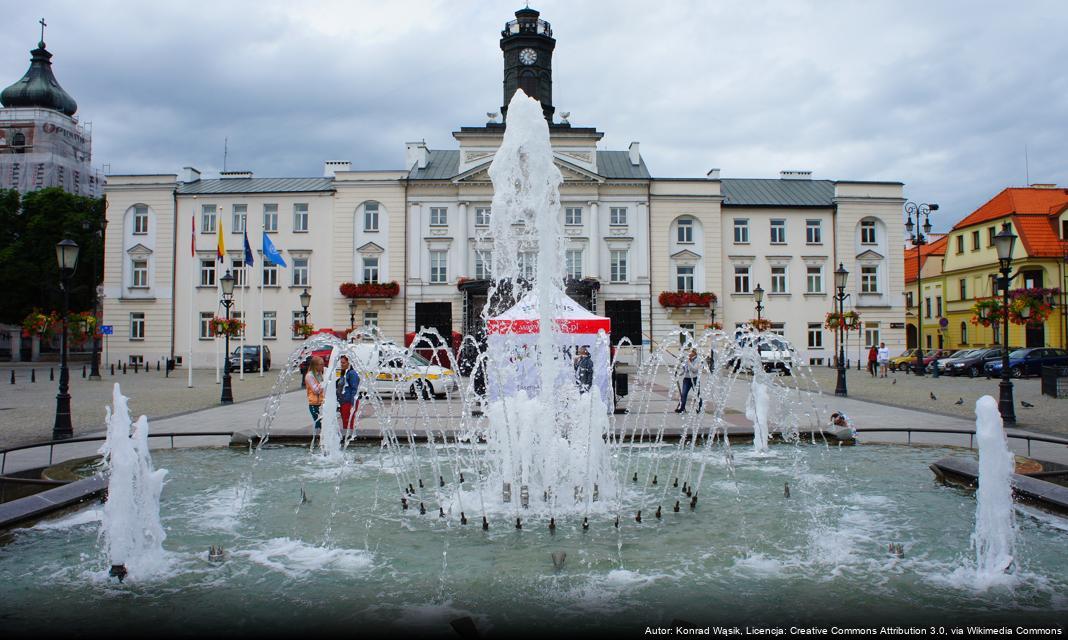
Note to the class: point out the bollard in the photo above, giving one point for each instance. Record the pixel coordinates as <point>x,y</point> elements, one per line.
<point>12,376</point>
<point>33,375</point>
<point>112,368</point>
<point>83,370</point>
<point>157,365</point>
<point>52,374</point>
<point>123,368</point>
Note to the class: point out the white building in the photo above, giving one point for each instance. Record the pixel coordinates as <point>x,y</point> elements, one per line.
<point>629,237</point>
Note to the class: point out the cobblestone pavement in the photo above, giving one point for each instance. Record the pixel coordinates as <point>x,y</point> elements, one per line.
<point>27,410</point>
<point>913,392</point>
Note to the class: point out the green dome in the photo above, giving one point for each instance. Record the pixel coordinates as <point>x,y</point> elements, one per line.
<point>39,87</point>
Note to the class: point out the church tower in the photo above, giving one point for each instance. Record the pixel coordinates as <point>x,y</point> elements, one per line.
<point>527,43</point>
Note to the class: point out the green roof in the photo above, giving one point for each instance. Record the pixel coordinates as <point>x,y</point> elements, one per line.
<point>255,185</point>
<point>771,192</point>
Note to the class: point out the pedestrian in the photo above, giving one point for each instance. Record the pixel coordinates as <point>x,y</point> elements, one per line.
<point>583,369</point>
<point>691,368</point>
<point>315,387</point>
<point>884,359</point>
<point>347,385</point>
<point>873,357</point>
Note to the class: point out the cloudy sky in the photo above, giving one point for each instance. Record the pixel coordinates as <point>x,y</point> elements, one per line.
<point>943,96</point>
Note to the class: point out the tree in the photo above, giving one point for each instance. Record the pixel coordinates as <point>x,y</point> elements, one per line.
<point>30,227</point>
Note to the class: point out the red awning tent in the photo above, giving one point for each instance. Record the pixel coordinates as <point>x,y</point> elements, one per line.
<point>513,338</point>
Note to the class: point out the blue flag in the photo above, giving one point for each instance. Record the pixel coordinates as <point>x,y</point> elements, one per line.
<point>248,252</point>
<point>270,252</point>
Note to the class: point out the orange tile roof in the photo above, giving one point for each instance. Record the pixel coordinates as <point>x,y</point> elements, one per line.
<point>1018,201</point>
<point>936,248</point>
<point>1039,236</point>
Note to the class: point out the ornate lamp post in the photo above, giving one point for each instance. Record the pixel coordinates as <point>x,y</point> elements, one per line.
<point>305,301</point>
<point>758,296</point>
<point>352,313</point>
<point>227,283</point>
<point>919,238</point>
<point>67,258</point>
<point>841,276</point>
<point>94,368</point>
<point>1004,242</point>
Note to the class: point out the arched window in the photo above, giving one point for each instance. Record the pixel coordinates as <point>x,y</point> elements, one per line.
<point>19,142</point>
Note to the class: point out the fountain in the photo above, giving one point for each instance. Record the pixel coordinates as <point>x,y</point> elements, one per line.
<point>995,526</point>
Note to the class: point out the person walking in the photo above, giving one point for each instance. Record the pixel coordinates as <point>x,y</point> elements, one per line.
<point>584,369</point>
<point>873,357</point>
<point>691,368</point>
<point>884,359</point>
<point>347,385</point>
<point>315,387</point>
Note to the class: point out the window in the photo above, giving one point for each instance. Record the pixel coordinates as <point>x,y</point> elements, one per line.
<point>685,231</point>
<point>964,333</point>
<point>140,220</point>
<point>778,232</point>
<point>298,317</point>
<point>207,218</point>
<point>482,216</point>
<point>140,273</point>
<point>929,344</point>
<point>619,265</point>
<point>270,325</point>
<point>240,317</point>
<point>975,240</point>
<point>871,335</point>
<point>938,305</point>
<point>927,304</point>
<point>997,334</point>
<point>370,216</point>
<point>778,280</point>
<point>370,319</point>
<point>439,216</point>
<point>684,278</point>
<point>573,263</point>
<point>137,325</point>
<point>205,325</point>
<point>741,279</point>
<point>528,261</point>
<point>573,215</point>
<point>240,214</point>
<point>270,274</point>
<point>869,279</point>
<point>686,332</point>
<point>814,231</point>
<point>815,335</point>
<point>990,233</point>
<point>300,217</point>
<point>483,260</point>
<point>270,218</point>
<point>867,232</point>
<point>207,273</point>
<point>960,244</point>
<point>617,216</point>
<point>814,280</point>
<point>370,269</point>
<point>438,271</point>
<point>908,300</point>
<point>741,231</point>
<point>300,272</point>
<point>238,269</point>
<point>963,288</point>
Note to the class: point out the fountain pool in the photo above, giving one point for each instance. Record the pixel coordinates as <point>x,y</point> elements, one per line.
<point>350,556</point>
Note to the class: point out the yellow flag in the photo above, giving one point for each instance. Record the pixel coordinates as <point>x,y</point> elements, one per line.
<point>221,250</point>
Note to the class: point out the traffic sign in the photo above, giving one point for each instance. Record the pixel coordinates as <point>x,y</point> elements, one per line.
<point>106,329</point>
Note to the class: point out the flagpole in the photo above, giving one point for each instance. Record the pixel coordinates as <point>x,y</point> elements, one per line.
<point>244,318</point>
<point>220,258</point>
<point>192,292</point>
<point>262,340</point>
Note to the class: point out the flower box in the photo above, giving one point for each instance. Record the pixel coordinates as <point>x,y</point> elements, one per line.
<point>370,289</point>
<point>687,299</point>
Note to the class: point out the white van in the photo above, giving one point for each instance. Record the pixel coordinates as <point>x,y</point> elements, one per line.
<point>390,371</point>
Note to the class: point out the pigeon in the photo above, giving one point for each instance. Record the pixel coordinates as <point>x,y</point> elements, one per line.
<point>1026,404</point>
<point>961,401</point>
<point>933,396</point>
<point>894,382</point>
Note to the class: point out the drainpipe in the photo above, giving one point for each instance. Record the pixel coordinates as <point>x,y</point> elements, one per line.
<point>404,298</point>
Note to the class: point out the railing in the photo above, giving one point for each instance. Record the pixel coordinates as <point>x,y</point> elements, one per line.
<point>51,444</point>
<point>970,434</point>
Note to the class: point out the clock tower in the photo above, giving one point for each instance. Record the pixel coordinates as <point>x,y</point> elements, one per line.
<point>527,43</point>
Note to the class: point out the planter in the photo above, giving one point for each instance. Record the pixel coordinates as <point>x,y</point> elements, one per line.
<point>384,290</point>
<point>686,299</point>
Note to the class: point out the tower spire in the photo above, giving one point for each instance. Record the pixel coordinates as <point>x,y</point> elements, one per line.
<point>44,24</point>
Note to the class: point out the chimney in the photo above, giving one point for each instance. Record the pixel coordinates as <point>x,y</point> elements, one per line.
<point>189,174</point>
<point>795,175</point>
<point>331,167</point>
<point>635,157</point>
<point>416,155</point>
<point>234,175</point>
<point>1043,185</point>
<point>713,174</point>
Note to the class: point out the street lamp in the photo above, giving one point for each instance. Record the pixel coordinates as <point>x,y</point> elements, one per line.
<point>918,233</point>
<point>227,283</point>
<point>352,313</point>
<point>1004,242</point>
<point>67,258</point>
<point>841,276</point>
<point>94,367</point>
<point>758,295</point>
<point>305,301</point>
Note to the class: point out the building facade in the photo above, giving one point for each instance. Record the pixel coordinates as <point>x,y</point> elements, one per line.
<point>629,237</point>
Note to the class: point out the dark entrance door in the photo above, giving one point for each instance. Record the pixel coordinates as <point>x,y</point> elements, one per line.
<point>434,315</point>
<point>626,317</point>
<point>1035,335</point>
<point>910,336</point>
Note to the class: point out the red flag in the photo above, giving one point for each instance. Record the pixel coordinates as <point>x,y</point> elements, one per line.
<point>193,238</point>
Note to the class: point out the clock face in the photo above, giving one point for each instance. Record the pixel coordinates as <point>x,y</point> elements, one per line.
<point>528,56</point>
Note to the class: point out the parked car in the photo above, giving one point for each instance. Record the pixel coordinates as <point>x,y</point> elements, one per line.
<point>942,363</point>
<point>776,353</point>
<point>1028,362</point>
<point>904,361</point>
<point>390,370</point>
<point>972,363</point>
<point>251,357</point>
<point>322,353</point>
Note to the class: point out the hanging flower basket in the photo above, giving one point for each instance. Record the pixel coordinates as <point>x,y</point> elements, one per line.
<point>82,326</point>
<point>303,329</point>
<point>716,326</point>
<point>986,311</point>
<point>370,289</point>
<point>760,324</point>
<point>37,323</point>
<point>1036,301</point>
<point>850,320</point>
<point>686,299</point>
<point>222,327</point>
